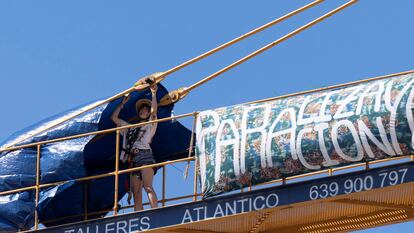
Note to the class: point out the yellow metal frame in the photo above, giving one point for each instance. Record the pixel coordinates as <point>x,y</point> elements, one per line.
<point>274,43</point>
<point>242,37</point>
<point>264,221</point>
<point>38,186</point>
<point>159,76</point>
<point>180,93</point>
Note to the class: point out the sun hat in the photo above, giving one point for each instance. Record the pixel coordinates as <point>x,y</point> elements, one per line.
<point>142,102</point>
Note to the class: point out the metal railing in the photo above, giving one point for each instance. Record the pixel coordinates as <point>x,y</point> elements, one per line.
<point>163,201</point>
<point>38,185</point>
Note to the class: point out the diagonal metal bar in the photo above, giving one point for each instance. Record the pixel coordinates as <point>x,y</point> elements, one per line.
<point>408,208</point>
<point>242,37</point>
<point>176,95</point>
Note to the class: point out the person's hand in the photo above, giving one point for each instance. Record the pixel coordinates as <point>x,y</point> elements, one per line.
<point>154,88</point>
<point>125,99</point>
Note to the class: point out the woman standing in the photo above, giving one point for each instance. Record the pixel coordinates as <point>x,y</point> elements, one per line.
<point>137,147</point>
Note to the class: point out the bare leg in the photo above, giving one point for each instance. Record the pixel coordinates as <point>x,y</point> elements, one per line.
<point>136,185</point>
<point>130,190</point>
<point>147,177</point>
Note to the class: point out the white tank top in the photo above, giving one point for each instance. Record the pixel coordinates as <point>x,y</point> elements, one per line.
<point>145,135</point>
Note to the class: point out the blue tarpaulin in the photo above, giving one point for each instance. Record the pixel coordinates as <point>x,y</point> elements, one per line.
<point>71,159</point>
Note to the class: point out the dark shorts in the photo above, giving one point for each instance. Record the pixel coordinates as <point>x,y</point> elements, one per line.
<point>142,158</point>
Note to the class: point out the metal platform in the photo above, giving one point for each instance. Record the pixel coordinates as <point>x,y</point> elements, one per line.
<point>343,202</point>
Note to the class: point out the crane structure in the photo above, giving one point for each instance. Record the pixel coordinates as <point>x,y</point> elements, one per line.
<point>357,196</point>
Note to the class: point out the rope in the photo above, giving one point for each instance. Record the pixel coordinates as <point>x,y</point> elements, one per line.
<point>190,149</point>
<point>176,168</point>
<point>274,43</point>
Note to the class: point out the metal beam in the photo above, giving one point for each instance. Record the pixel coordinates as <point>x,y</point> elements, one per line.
<point>408,208</point>
<point>182,230</point>
<point>259,222</point>
<point>344,223</point>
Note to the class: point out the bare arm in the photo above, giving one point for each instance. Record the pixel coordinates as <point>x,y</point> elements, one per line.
<point>154,106</point>
<point>115,115</point>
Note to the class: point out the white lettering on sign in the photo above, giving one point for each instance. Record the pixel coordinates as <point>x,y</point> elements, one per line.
<point>202,132</point>
<point>290,132</point>
<point>347,125</point>
<point>232,207</point>
<point>119,226</point>
<point>260,129</point>
<point>234,142</point>
<point>392,108</point>
<point>339,126</point>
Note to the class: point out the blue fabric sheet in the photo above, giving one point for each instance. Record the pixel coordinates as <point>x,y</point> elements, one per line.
<point>68,160</point>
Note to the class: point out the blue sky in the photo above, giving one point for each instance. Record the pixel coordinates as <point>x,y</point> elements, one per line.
<point>55,55</point>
